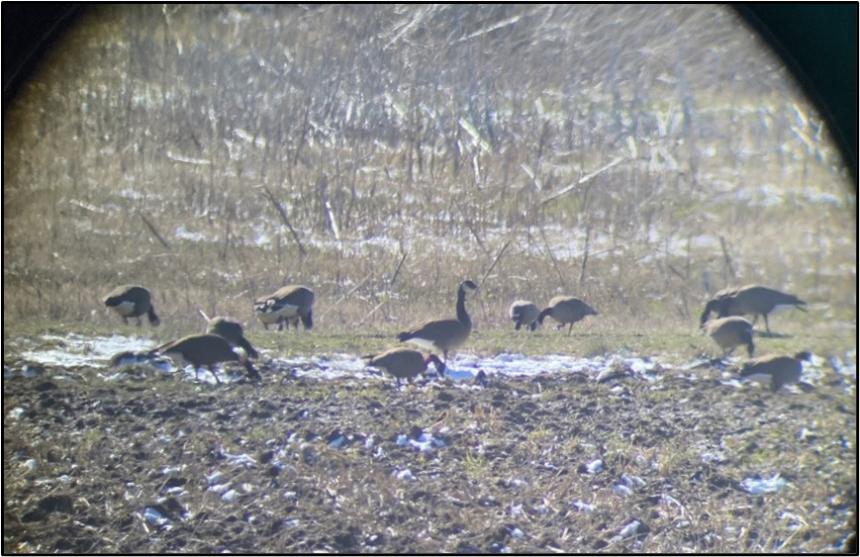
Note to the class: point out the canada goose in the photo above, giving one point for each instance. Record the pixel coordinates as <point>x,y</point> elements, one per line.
<point>524,313</point>
<point>287,304</point>
<point>750,299</point>
<point>132,301</point>
<point>405,363</point>
<point>232,331</point>
<point>444,334</point>
<point>782,369</point>
<point>731,332</point>
<point>566,309</point>
<point>204,350</point>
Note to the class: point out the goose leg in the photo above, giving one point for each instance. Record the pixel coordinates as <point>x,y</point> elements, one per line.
<point>533,326</point>
<point>125,320</point>
<point>517,326</point>
<point>569,329</point>
<point>215,375</point>
<point>767,325</point>
<point>139,322</point>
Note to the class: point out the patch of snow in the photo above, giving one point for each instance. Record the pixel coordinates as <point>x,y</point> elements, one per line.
<point>795,521</point>
<point>716,457</point>
<point>185,234</point>
<point>334,366</point>
<point>153,516</point>
<point>424,443</point>
<point>239,459</point>
<point>632,481</point>
<point>621,489</point>
<point>595,466</point>
<point>78,350</point>
<point>847,367</point>
<point>130,193</point>
<point>631,529</point>
<point>820,197</point>
<point>757,486</point>
<point>15,413</point>
<point>584,507</point>
<point>337,442</point>
<point>405,475</point>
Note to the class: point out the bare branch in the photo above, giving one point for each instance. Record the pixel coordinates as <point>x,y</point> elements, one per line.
<point>582,180</point>
<point>152,229</point>
<point>284,218</point>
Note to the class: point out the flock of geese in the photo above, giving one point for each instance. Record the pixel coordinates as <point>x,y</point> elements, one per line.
<point>292,304</point>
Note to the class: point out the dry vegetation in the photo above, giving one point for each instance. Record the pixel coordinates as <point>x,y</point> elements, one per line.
<point>639,157</point>
<point>433,131</point>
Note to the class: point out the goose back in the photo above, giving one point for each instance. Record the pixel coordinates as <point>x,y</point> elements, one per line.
<point>752,299</point>
<point>444,334</point>
<point>131,300</point>
<point>781,369</point>
<point>205,350</point>
<point>524,314</point>
<point>567,309</point>
<point>233,332</point>
<point>731,332</point>
<point>404,363</point>
<point>288,303</point>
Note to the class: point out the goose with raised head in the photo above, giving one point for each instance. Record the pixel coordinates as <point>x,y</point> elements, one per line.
<point>751,299</point>
<point>524,314</point>
<point>781,369</point>
<point>205,350</point>
<point>233,332</point>
<point>567,310</point>
<point>288,304</point>
<point>731,332</point>
<point>405,363</point>
<point>132,301</point>
<point>444,334</point>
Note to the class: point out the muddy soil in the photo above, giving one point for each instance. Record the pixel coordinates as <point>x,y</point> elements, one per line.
<point>149,462</point>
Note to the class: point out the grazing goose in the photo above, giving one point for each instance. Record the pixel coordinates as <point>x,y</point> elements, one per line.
<point>566,309</point>
<point>731,332</point>
<point>288,304</point>
<point>752,299</point>
<point>782,369</point>
<point>405,363</point>
<point>524,313</point>
<point>445,334</point>
<point>232,331</point>
<point>204,350</point>
<point>132,301</point>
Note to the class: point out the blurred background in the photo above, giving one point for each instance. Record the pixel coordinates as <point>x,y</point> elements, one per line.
<point>639,157</point>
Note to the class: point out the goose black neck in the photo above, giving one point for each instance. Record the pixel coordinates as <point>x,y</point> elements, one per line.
<point>462,315</point>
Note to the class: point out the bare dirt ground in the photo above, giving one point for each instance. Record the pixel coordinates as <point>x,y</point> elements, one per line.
<point>147,462</point>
